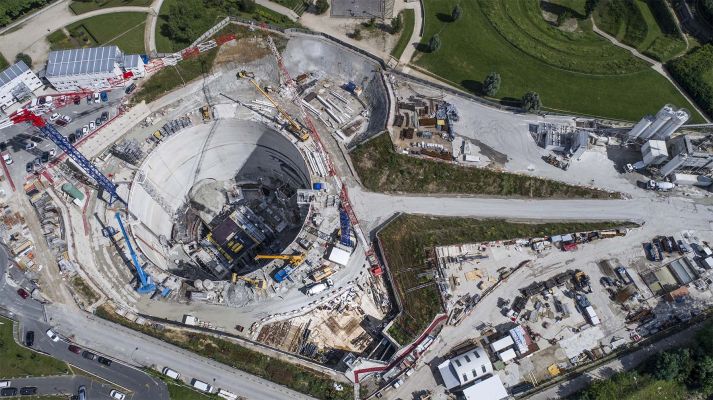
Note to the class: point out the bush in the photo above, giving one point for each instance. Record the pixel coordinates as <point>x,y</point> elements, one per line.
<point>25,58</point>
<point>247,6</point>
<point>491,84</point>
<point>694,72</point>
<point>531,102</point>
<point>455,14</point>
<point>434,44</point>
<point>397,24</point>
<point>321,6</point>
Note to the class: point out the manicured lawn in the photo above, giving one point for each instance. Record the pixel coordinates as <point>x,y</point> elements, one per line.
<point>17,361</point>
<point>575,72</point>
<point>125,30</point>
<point>293,376</point>
<point>209,17</point>
<point>409,18</point>
<point>81,7</point>
<point>405,242</point>
<point>382,170</point>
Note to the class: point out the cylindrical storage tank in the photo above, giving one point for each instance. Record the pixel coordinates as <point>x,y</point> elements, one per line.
<point>198,284</point>
<point>208,284</point>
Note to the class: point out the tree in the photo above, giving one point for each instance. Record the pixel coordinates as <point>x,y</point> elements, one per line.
<point>673,365</point>
<point>590,6</point>
<point>434,44</point>
<point>397,24</point>
<point>531,102</point>
<point>25,58</point>
<point>180,19</point>
<point>321,6</point>
<point>702,376</point>
<point>247,6</point>
<point>491,84</point>
<point>455,14</point>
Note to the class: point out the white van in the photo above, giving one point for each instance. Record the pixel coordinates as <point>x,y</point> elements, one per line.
<point>200,385</point>
<point>171,373</point>
<point>4,384</point>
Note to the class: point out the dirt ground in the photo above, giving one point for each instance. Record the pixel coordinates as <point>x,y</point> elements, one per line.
<point>242,51</point>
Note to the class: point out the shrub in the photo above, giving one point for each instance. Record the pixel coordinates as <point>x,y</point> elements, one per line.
<point>434,44</point>
<point>491,84</point>
<point>531,102</point>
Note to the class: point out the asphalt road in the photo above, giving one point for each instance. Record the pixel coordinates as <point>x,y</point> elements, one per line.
<point>66,385</point>
<point>31,316</point>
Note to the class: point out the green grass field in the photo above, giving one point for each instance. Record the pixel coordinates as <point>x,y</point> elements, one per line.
<point>382,170</point>
<point>81,7</point>
<point>575,72</point>
<point>17,361</point>
<point>409,18</point>
<point>646,25</point>
<point>406,239</point>
<point>210,16</point>
<point>125,30</point>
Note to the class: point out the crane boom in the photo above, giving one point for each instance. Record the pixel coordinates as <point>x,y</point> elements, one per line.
<point>49,131</point>
<point>146,284</point>
<point>296,259</point>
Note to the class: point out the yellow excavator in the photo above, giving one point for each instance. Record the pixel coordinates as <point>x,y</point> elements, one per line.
<point>296,129</point>
<point>295,260</point>
<point>256,283</point>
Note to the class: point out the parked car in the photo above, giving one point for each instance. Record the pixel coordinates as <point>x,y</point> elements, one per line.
<point>54,117</point>
<point>74,349</point>
<point>96,97</point>
<point>52,335</point>
<point>10,391</point>
<point>103,360</point>
<point>130,88</point>
<point>72,138</point>
<point>606,281</point>
<point>29,145</point>
<point>85,129</point>
<point>28,390</point>
<point>171,373</point>
<point>666,244</point>
<point>683,247</point>
<point>76,100</point>
<point>115,394</point>
<point>66,118</point>
<point>60,122</point>
<point>23,293</point>
<point>7,158</point>
<point>88,355</point>
<point>82,393</point>
<point>4,384</point>
<point>29,338</point>
<point>98,121</point>
<point>105,116</point>
<point>89,99</point>
<point>104,96</point>
<point>52,152</point>
<point>45,157</point>
<point>30,167</point>
<point>92,126</point>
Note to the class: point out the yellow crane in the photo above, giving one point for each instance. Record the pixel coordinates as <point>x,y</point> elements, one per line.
<point>296,129</point>
<point>295,259</point>
<point>257,283</point>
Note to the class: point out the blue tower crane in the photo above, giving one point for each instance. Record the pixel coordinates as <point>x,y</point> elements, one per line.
<point>51,133</point>
<point>146,285</point>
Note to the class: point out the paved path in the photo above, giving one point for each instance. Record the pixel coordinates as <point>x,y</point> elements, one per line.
<point>656,65</point>
<point>68,385</point>
<point>279,9</point>
<point>150,28</point>
<point>30,37</point>
<point>415,35</point>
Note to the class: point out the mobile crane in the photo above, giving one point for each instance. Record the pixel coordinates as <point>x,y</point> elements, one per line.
<point>256,283</point>
<point>300,132</point>
<point>146,285</point>
<point>295,259</point>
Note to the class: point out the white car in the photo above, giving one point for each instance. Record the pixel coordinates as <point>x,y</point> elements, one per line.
<point>398,383</point>
<point>96,97</point>
<point>115,394</point>
<point>30,145</point>
<point>54,117</point>
<point>85,129</point>
<point>171,373</point>
<point>92,126</point>
<point>52,335</point>
<point>66,118</point>
<point>7,158</point>
<point>52,152</point>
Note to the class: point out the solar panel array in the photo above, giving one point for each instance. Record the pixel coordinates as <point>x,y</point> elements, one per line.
<point>12,72</point>
<point>83,61</point>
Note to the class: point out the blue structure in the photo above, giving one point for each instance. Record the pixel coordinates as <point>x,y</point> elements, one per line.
<point>49,131</point>
<point>146,285</point>
<point>345,238</point>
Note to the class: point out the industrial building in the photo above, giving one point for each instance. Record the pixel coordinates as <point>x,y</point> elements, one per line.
<point>465,368</point>
<point>94,68</point>
<point>491,388</point>
<point>17,83</point>
<point>562,138</point>
<point>654,152</point>
<point>661,126</point>
<point>686,156</point>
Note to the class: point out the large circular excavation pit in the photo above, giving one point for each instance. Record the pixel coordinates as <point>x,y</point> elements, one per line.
<point>212,196</point>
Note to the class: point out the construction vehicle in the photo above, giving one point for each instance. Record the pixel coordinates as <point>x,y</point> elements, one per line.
<point>319,287</point>
<point>322,273</point>
<point>146,284</point>
<point>256,283</point>
<point>581,281</point>
<point>205,112</point>
<point>295,259</point>
<point>294,127</point>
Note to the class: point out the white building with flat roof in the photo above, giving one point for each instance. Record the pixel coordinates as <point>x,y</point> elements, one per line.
<point>94,68</point>
<point>17,83</point>
<point>465,368</point>
<point>490,389</point>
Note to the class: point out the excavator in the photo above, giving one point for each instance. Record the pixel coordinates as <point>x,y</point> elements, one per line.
<point>295,259</point>
<point>295,128</point>
<point>256,283</point>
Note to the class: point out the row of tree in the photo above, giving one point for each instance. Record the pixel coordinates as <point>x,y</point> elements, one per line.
<point>10,10</point>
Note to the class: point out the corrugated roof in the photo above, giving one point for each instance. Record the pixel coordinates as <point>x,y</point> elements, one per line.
<point>83,61</point>
<point>132,61</point>
<point>12,72</point>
